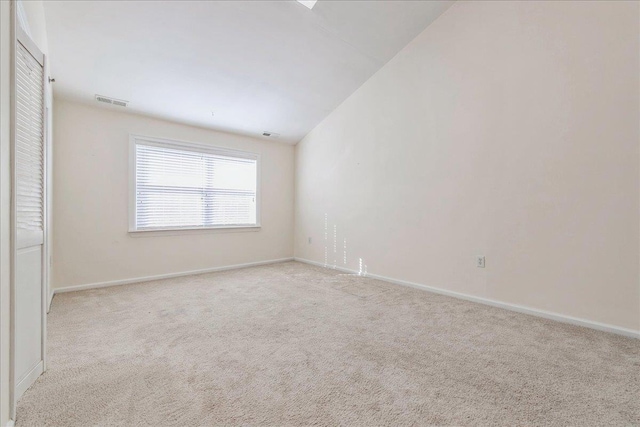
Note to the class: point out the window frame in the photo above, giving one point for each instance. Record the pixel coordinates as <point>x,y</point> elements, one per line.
<point>134,139</point>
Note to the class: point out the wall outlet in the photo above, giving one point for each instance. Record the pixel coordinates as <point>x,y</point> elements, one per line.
<point>480,261</point>
<point>309,240</point>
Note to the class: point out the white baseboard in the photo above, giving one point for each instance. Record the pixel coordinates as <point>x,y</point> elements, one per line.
<point>28,379</point>
<point>508,306</point>
<point>165,276</point>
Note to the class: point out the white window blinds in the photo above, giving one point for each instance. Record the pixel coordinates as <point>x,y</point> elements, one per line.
<point>29,156</point>
<point>178,186</point>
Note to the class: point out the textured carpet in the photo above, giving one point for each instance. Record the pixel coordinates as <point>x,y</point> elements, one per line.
<point>291,344</point>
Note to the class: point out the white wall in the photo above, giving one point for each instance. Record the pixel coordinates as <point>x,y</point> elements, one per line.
<point>90,202</point>
<point>506,129</point>
<point>35,23</point>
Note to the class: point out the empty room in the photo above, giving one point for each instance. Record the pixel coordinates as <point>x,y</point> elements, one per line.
<point>319,213</point>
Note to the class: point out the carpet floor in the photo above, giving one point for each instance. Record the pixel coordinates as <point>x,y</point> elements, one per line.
<point>291,344</point>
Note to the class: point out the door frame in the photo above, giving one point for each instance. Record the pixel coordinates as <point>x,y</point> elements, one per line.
<point>20,36</point>
<point>7,15</point>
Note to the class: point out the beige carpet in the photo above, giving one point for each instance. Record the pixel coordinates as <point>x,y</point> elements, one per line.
<point>290,344</point>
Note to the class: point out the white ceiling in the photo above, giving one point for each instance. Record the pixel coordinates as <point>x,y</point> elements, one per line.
<point>257,65</point>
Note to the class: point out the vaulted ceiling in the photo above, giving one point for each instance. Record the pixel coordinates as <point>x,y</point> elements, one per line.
<point>237,66</point>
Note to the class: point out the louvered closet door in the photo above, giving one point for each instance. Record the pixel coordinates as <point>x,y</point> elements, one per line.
<point>29,218</point>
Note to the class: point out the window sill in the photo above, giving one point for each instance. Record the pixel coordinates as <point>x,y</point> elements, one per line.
<point>196,230</point>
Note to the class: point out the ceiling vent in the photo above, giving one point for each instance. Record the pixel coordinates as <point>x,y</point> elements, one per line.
<point>271,134</point>
<point>112,101</point>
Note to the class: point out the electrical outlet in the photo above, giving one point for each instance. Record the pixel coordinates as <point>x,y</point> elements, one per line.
<point>480,261</point>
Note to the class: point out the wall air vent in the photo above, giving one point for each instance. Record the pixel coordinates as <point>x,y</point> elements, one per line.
<point>271,134</point>
<point>112,101</point>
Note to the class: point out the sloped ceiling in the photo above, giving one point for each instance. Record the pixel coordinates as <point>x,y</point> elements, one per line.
<point>237,66</point>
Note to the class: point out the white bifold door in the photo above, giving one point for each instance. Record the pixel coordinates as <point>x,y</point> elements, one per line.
<point>29,216</point>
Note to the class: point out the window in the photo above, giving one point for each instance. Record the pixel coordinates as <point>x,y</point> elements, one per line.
<point>179,185</point>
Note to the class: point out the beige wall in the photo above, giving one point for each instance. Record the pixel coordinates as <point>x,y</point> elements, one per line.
<point>90,202</point>
<point>506,129</point>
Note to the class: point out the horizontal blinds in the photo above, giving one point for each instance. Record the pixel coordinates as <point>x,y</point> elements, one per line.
<point>29,151</point>
<point>176,187</point>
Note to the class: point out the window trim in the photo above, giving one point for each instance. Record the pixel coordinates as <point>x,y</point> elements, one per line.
<point>191,146</point>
